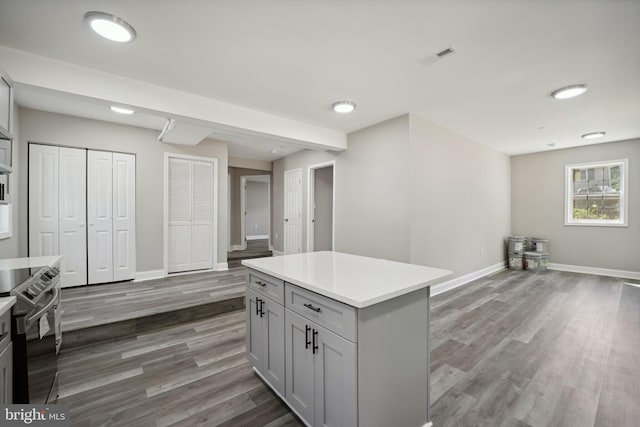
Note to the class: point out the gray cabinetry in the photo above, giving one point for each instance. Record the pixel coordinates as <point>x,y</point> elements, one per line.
<point>343,366</point>
<point>321,373</point>
<point>6,360</point>
<point>265,338</point>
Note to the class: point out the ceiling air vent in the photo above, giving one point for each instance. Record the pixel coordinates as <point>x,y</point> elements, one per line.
<point>432,59</point>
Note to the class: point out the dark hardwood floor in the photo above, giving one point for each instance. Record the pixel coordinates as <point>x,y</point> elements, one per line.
<point>255,249</point>
<point>513,349</point>
<point>94,305</point>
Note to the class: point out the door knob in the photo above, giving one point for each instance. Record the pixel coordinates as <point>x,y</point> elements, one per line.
<point>286,220</point>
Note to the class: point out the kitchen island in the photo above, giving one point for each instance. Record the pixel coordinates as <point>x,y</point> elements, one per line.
<point>342,339</point>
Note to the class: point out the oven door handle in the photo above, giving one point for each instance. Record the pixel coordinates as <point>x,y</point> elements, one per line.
<point>43,309</point>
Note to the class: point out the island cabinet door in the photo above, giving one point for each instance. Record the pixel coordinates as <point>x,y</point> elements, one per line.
<point>335,379</point>
<point>254,330</point>
<point>273,343</point>
<point>299,365</point>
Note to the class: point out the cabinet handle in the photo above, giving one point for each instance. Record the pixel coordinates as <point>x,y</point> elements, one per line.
<point>258,282</point>
<point>261,308</point>
<point>307,329</point>
<point>315,341</point>
<point>257,306</point>
<point>311,307</point>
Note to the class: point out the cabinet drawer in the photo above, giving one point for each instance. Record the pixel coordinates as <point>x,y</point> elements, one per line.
<point>5,330</point>
<point>266,285</point>
<point>333,315</point>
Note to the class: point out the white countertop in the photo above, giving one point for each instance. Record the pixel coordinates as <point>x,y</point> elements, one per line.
<point>6,303</point>
<point>29,262</point>
<point>354,280</point>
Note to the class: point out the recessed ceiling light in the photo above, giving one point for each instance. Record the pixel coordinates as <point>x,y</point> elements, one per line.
<point>121,110</point>
<point>110,27</point>
<point>344,106</point>
<point>593,135</point>
<point>569,91</point>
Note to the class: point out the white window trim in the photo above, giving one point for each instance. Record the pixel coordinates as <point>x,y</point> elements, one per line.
<point>624,205</point>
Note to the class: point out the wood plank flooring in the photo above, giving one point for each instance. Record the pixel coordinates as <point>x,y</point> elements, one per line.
<point>94,305</point>
<point>255,249</point>
<point>514,349</point>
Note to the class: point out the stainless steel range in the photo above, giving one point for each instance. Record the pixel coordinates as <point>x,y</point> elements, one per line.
<point>35,325</point>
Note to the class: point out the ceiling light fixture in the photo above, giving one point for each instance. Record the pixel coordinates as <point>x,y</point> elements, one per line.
<point>569,91</point>
<point>110,27</point>
<point>593,135</point>
<point>344,107</point>
<point>121,110</point>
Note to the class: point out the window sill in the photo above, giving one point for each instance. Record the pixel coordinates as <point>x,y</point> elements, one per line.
<point>592,224</point>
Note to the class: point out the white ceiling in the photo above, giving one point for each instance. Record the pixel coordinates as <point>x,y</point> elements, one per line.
<point>295,58</point>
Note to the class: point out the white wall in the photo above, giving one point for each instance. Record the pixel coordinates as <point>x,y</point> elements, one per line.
<point>410,191</point>
<point>257,205</point>
<point>537,209</point>
<point>40,126</point>
<point>460,200</point>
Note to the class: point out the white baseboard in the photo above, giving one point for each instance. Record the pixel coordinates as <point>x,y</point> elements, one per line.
<point>277,253</point>
<point>148,275</point>
<point>222,266</point>
<point>235,248</point>
<point>594,270</point>
<point>463,280</point>
<point>258,237</point>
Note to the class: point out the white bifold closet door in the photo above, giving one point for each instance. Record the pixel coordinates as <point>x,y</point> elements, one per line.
<point>111,216</point>
<point>124,216</point>
<point>190,232</point>
<point>57,208</point>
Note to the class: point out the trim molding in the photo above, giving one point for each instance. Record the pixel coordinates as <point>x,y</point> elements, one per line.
<point>148,275</point>
<point>258,237</point>
<point>222,266</point>
<point>470,277</point>
<point>595,270</point>
<point>235,248</point>
<point>277,253</point>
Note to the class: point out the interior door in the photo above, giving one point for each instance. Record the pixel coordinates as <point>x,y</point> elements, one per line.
<point>202,215</point>
<point>100,216</point>
<point>179,215</point>
<point>72,212</point>
<point>190,233</point>
<point>43,200</point>
<point>124,216</point>
<point>293,211</point>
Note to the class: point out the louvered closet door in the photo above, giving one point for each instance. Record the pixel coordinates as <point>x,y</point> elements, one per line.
<point>43,200</point>
<point>72,212</point>
<point>179,215</point>
<point>190,215</point>
<point>124,216</point>
<point>100,216</point>
<point>202,221</point>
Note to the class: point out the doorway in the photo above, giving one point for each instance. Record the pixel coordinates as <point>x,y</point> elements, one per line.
<point>190,213</point>
<point>255,211</point>
<point>321,207</point>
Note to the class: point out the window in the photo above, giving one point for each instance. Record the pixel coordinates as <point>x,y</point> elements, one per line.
<point>596,193</point>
